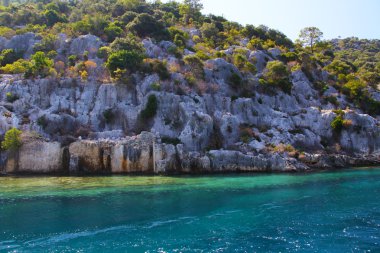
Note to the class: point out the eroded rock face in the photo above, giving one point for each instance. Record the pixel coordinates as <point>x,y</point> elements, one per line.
<point>99,124</point>
<point>134,154</point>
<point>83,43</point>
<point>37,157</point>
<point>131,154</point>
<point>21,43</point>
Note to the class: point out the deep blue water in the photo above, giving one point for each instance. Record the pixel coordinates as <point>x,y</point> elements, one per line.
<point>320,212</point>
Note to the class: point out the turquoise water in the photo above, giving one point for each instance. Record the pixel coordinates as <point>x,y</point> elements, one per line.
<point>321,212</point>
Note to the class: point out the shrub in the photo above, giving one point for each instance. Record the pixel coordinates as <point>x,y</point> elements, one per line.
<point>128,16</point>
<point>11,97</point>
<point>41,64</point>
<point>112,31</point>
<point>209,31</point>
<point>129,43</point>
<point>235,80</point>
<point>103,52</point>
<point>196,65</point>
<point>173,141</point>
<point>108,115</point>
<point>289,56</point>
<point>72,60</point>
<point>7,32</point>
<point>9,56</point>
<point>47,44</point>
<point>337,124</point>
<point>146,25</point>
<point>150,108</point>
<point>277,74</point>
<point>42,122</point>
<point>18,67</point>
<point>12,140</point>
<point>158,67</point>
<point>124,60</point>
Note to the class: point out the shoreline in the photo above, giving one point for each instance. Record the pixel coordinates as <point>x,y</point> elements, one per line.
<point>193,174</point>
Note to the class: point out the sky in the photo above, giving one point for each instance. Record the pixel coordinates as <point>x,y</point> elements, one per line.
<point>344,18</point>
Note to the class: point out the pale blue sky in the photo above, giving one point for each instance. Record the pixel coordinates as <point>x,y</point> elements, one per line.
<point>345,18</point>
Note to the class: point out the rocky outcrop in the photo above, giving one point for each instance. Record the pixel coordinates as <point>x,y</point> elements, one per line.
<point>208,126</point>
<point>37,157</point>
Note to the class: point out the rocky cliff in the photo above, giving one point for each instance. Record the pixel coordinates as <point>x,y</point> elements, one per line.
<point>88,126</point>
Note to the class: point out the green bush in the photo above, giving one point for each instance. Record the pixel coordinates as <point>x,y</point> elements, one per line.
<point>159,67</point>
<point>9,56</point>
<point>196,65</point>
<point>337,124</point>
<point>42,122</point>
<point>129,43</point>
<point>11,97</point>
<point>235,80</point>
<point>150,108</point>
<point>108,115</point>
<point>277,75</point>
<point>12,140</point>
<point>173,141</point>
<point>41,64</point>
<point>72,59</point>
<point>124,60</point>
<point>146,25</point>
<point>112,31</point>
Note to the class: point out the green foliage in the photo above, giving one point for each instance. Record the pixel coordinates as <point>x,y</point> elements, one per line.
<point>18,67</point>
<point>277,75</point>
<point>52,17</point>
<point>235,80</point>
<point>337,67</point>
<point>128,16</point>
<point>12,140</point>
<point>108,115</point>
<point>146,25</point>
<point>209,31</point>
<point>159,67</point>
<point>112,31</point>
<point>9,56</point>
<point>173,141</point>
<point>42,122</point>
<point>130,60</point>
<point>72,60</point>
<point>309,36</point>
<point>190,10</point>
<point>40,65</point>
<point>129,43</point>
<point>47,44</point>
<point>150,108</point>
<point>103,52</point>
<point>196,65</point>
<point>289,56</point>
<point>11,97</point>
<point>337,124</point>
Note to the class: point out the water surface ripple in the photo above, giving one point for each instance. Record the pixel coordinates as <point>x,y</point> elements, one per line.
<point>322,212</point>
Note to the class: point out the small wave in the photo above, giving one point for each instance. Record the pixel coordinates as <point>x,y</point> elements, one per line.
<point>70,236</point>
<point>164,222</point>
<point>8,245</point>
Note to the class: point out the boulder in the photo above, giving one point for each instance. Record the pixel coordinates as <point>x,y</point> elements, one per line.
<point>83,43</point>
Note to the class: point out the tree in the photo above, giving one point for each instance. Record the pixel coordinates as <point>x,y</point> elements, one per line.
<point>309,36</point>
<point>190,9</point>
<point>12,140</point>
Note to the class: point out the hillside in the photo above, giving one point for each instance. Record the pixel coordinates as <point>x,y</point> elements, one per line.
<point>130,86</point>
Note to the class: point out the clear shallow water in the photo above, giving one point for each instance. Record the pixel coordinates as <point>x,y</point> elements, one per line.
<point>322,212</point>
